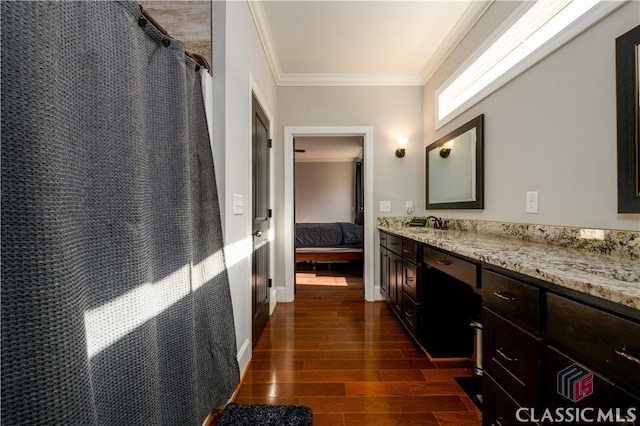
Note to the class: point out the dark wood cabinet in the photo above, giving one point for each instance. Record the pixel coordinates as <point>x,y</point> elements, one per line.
<point>454,266</point>
<point>572,386</point>
<point>512,356</point>
<point>434,303</point>
<point>401,273</point>
<point>554,354</point>
<point>384,270</point>
<point>394,298</point>
<point>605,341</point>
<point>516,300</point>
<point>498,407</point>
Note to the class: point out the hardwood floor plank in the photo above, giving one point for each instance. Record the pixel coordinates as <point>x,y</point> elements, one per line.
<point>351,362</point>
<point>263,399</point>
<point>307,376</point>
<point>251,390</point>
<point>377,364</point>
<point>446,374</point>
<point>390,419</point>
<point>277,364</point>
<point>460,419</point>
<point>436,388</point>
<point>401,376</point>
<point>383,404</point>
<point>378,389</point>
<point>328,419</point>
<point>330,355</point>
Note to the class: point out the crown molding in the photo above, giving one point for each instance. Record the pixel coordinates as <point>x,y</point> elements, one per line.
<point>473,13</point>
<point>349,80</point>
<point>471,16</point>
<point>262,25</point>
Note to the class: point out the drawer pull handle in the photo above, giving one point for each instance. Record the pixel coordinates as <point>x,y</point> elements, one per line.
<point>505,356</point>
<point>504,296</point>
<point>624,354</point>
<point>443,262</point>
<point>408,315</point>
<point>407,251</point>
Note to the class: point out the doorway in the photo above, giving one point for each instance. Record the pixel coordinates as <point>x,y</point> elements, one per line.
<point>286,294</point>
<point>328,211</point>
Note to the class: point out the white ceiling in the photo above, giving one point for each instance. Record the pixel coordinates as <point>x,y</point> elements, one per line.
<point>322,149</point>
<point>361,42</point>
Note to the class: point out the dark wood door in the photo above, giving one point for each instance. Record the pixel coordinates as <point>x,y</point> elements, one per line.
<point>261,214</point>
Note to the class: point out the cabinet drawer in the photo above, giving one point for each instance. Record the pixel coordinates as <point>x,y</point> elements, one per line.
<point>604,341</point>
<point>498,407</point>
<point>572,385</point>
<point>517,301</point>
<point>394,244</point>
<point>410,315</point>
<point>463,270</point>
<point>512,356</point>
<point>410,280</point>
<point>383,239</point>
<point>410,251</point>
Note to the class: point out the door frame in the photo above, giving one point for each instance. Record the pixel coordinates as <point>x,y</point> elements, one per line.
<point>286,294</point>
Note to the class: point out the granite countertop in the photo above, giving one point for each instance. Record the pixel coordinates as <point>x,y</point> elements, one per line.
<point>609,277</point>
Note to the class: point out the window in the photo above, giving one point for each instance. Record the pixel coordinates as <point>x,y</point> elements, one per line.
<point>542,28</point>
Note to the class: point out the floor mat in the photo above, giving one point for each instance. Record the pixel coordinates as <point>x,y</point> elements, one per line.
<point>265,415</point>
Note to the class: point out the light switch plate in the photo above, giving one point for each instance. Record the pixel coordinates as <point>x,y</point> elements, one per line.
<point>385,206</point>
<point>532,202</point>
<point>238,204</point>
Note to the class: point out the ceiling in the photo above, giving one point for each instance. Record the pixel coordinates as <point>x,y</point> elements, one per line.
<point>324,149</point>
<point>361,42</point>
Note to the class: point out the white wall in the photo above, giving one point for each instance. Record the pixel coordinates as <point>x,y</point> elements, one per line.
<point>324,192</point>
<point>552,130</point>
<point>239,66</point>
<point>392,111</point>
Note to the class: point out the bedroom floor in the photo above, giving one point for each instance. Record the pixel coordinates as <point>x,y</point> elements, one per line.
<point>350,361</point>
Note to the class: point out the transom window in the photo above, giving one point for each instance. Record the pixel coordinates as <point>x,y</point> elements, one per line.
<point>537,32</point>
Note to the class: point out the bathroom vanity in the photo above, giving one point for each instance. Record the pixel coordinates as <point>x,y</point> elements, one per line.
<point>561,326</point>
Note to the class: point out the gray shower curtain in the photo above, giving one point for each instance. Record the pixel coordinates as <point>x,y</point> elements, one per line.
<point>115,301</point>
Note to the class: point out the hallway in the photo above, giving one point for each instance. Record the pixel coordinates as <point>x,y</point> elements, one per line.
<point>351,362</point>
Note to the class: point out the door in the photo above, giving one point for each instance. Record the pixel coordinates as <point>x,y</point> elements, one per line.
<point>261,214</point>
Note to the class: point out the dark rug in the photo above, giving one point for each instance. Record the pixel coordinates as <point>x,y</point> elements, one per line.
<point>265,415</point>
<point>472,386</point>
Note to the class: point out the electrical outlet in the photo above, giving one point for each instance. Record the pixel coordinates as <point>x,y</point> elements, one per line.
<point>409,207</point>
<point>385,206</point>
<point>532,202</point>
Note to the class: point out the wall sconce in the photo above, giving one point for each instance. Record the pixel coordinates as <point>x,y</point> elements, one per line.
<point>445,150</point>
<point>402,146</point>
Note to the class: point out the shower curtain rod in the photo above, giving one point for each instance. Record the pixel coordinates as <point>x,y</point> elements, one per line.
<point>200,60</point>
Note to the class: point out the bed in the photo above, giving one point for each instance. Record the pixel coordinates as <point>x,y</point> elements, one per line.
<point>329,242</point>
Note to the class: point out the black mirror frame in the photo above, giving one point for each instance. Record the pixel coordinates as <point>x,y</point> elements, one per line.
<point>628,125</point>
<point>478,123</point>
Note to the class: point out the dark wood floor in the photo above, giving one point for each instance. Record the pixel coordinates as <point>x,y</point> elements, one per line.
<point>350,361</point>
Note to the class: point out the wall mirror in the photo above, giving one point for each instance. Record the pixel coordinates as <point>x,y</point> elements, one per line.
<point>454,169</point>
<point>628,112</point>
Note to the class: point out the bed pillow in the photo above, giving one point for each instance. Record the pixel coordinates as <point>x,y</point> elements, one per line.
<point>351,233</point>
